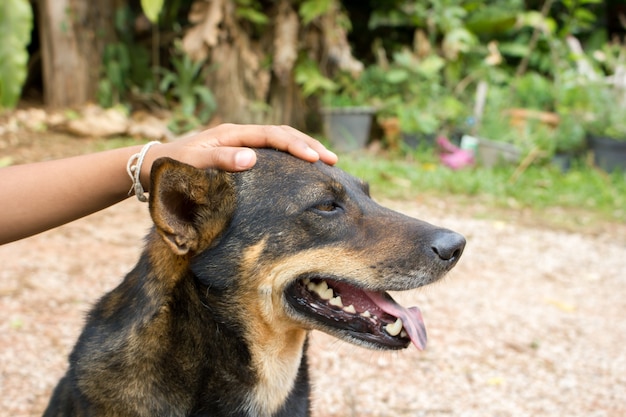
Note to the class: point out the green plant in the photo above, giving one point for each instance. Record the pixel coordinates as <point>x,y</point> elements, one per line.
<point>311,9</point>
<point>114,83</point>
<point>412,89</point>
<point>152,9</point>
<point>442,22</point>
<point>185,85</point>
<point>414,120</point>
<point>529,134</point>
<point>495,123</point>
<point>608,108</point>
<point>592,89</point>
<point>16,20</point>
<point>495,126</point>
<point>125,65</point>
<point>493,18</point>
<point>533,91</point>
<point>605,97</point>
<point>597,106</point>
<point>350,90</point>
<point>569,136</point>
<point>126,74</point>
<point>582,189</point>
<point>308,75</point>
<point>431,115</point>
<point>577,16</point>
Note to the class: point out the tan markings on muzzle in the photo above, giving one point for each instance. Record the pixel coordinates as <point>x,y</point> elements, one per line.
<point>275,340</point>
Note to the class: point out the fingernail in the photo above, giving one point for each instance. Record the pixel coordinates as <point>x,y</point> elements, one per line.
<point>329,157</point>
<point>244,158</point>
<point>312,153</point>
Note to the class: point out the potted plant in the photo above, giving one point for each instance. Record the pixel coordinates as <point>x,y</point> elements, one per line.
<point>495,140</point>
<point>533,101</point>
<point>593,90</point>
<point>568,141</point>
<point>415,104</point>
<point>347,112</point>
<point>418,125</point>
<point>422,119</point>
<point>606,125</point>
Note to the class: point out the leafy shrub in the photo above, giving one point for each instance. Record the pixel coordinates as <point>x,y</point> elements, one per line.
<point>16,21</point>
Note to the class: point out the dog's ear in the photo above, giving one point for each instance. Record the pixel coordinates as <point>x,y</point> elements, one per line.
<point>189,206</point>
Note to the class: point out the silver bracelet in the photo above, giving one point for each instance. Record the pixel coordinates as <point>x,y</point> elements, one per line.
<point>133,167</point>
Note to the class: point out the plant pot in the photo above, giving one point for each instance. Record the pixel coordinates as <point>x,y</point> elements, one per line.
<point>348,128</point>
<point>396,138</point>
<point>418,140</point>
<point>563,160</point>
<point>609,154</point>
<point>491,153</point>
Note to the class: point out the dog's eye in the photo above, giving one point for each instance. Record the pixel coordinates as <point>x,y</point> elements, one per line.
<point>327,207</point>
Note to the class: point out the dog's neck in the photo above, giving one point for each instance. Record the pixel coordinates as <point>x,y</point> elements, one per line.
<point>274,354</point>
<point>277,362</point>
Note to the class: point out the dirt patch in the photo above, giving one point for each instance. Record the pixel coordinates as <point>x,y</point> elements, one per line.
<point>530,323</point>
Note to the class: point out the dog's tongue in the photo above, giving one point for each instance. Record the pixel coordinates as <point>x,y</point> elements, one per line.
<point>411,318</point>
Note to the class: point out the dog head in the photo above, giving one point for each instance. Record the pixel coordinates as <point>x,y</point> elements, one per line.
<point>300,246</point>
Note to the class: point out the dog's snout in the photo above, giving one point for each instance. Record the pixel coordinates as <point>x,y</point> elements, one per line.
<point>448,246</point>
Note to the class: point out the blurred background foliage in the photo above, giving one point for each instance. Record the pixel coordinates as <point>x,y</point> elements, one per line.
<point>294,52</point>
<point>434,67</point>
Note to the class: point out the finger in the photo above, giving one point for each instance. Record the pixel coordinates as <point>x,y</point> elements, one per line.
<point>231,158</point>
<point>302,144</point>
<point>203,155</point>
<point>325,154</point>
<point>284,138</point>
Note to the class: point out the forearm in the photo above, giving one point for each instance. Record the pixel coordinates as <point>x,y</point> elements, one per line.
<point>47,194</point>
<point>40,196</point>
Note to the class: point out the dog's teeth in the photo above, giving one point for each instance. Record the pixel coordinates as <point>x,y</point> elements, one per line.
<point>322,289</point>
<point>336,302</point>
<point>403,333</point>
<point>350,309</point>
<point>366,314</point>
<point>327,294</point>
<point>394,329</point>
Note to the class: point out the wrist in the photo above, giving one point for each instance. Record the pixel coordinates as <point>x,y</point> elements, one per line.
<point>138,169</point>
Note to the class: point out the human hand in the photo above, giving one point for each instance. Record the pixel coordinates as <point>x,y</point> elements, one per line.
<point>227,146</point>
<point>59,191</point>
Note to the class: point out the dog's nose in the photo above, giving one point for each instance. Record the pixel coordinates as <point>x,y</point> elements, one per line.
<point>448,245</point>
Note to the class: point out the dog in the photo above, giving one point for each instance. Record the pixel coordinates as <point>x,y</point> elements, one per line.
<point>237,269</point>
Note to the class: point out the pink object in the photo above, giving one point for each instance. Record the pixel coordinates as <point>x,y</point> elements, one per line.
<point>452,156</point>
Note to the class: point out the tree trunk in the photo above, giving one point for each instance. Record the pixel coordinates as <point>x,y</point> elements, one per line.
<point>73,34</point>
<point>248,90</point>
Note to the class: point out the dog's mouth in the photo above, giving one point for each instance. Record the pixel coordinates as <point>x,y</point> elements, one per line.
<point>367,316</point>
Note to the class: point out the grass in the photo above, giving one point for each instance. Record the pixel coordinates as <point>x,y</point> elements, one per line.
<point>583,189</point>
<point>586,193</point>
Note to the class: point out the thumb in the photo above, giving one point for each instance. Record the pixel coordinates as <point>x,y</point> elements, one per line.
<point>244,158</point>
<point>230,158</point>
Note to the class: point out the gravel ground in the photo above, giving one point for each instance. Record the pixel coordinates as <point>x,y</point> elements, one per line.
<point>530,323</point>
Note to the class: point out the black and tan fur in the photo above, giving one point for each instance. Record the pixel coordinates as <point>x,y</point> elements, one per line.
<point>213,319</point>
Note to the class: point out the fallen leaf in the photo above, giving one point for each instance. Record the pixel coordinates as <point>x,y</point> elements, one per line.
<point>562,305</point>
<point>6,161</point>
<point>496,380</point>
